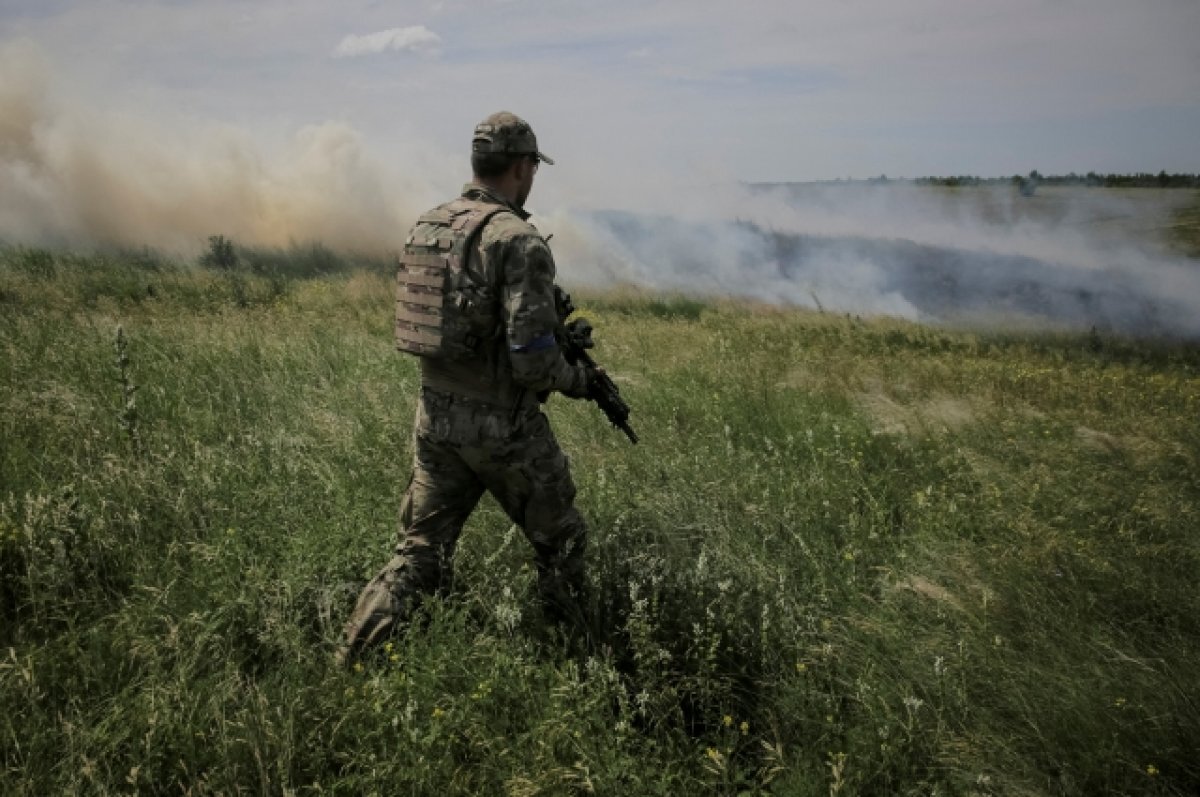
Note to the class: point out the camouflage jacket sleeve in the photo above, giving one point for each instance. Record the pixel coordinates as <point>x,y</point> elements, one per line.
<point>531,319</point>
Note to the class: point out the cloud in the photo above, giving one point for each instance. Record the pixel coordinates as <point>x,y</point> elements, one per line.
<point>416,38</point>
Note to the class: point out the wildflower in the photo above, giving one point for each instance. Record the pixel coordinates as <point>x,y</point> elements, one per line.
<point>1151,770</point>
<point>714,754</point>
<point>395,657</point>
<point>438,712</point>
<point>387,647</point>
<point>801,666</point>
<point>744,727</point>
<point>727,721</point>
<point>358,666</point>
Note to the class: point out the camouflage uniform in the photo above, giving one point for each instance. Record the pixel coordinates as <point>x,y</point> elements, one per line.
<point>479,427</point>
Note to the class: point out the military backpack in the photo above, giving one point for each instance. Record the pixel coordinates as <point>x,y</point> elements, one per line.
<point>442,311</point>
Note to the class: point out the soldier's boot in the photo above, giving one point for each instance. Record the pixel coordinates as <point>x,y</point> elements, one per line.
<point>378,614</point>
<point>565,602</point>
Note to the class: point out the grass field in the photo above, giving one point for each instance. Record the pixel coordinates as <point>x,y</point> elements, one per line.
<point>849,557</point>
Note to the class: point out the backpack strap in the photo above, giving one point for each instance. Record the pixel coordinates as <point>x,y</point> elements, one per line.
<point>470,225</point>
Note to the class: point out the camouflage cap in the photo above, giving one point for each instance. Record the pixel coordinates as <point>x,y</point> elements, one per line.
<point>506,132</point>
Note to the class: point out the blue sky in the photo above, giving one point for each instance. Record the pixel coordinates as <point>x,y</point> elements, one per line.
<point>754,90</point>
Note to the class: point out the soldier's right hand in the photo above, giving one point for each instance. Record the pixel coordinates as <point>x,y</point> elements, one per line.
<point>582,388</point>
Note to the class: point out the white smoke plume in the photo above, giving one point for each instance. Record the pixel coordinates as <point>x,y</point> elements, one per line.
<point>76,175</point>
<point>415,38</point>
<point>1065,258</point>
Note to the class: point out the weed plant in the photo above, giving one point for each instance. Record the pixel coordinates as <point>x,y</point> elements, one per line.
<point>848,557</point>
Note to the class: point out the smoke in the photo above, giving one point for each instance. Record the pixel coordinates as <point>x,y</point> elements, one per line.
<point>1066,258</point>
<point>75,174</point>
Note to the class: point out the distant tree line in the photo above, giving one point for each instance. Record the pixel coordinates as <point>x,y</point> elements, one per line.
<point>1094,179</point>
<point>1027,183</point>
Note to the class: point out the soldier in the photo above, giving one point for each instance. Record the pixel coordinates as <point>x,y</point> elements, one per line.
<point>475,299</point>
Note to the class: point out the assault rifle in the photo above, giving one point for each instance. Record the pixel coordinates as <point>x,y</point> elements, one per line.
<point>575,338</point>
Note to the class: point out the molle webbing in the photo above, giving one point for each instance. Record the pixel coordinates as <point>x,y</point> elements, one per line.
<point>435,301</point>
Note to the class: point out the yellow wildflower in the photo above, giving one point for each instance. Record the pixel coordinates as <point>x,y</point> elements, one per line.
<point>1151,770</point>
<point>727,720</point>
<point>745,727</point>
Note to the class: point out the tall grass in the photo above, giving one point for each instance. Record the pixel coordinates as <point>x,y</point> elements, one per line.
<point>848,557</point>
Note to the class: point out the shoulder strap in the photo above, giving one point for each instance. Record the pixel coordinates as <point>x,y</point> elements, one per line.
<point>470,225</point>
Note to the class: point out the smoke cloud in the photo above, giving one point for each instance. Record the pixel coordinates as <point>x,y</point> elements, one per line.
<point>74,174</point>
<point>1067,258</point>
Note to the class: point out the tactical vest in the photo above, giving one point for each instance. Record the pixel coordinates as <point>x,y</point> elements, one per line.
<point>441,311</point>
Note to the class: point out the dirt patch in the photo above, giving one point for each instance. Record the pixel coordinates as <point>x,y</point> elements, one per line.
<point>815,378</point>
<point>935,415</point>
<point>1105,443</point>
<point>919,585</point>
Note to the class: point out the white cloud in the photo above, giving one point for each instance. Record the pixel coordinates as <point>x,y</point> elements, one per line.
<point>416,38</point>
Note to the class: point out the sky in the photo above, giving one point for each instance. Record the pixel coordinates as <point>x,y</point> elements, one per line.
<point>704,91</point>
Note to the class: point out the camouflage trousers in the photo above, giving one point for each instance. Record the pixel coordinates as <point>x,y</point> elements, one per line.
<point>462,448</point>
